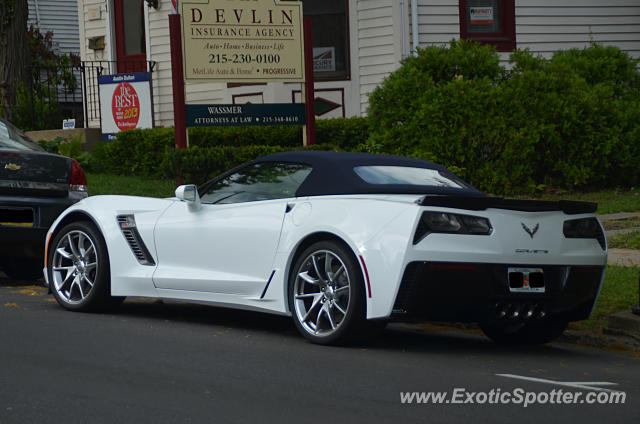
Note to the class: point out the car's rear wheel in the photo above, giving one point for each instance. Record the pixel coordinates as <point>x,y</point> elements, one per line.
<point>78,268</point>
<point>524,333</point>
<point>326,294</point>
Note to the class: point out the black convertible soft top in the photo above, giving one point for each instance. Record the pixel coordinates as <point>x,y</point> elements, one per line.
<point>333,173</point>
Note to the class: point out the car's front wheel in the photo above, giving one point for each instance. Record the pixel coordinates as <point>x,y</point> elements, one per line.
<point>326,294</point>
<point>525,333</point>
<point>78,268</point>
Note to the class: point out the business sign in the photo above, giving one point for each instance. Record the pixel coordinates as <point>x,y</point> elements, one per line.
<point>125,103</point>
<point>324,59</point>
<point>481,15</point>
<point>247,114</point>
<point>242,40</point>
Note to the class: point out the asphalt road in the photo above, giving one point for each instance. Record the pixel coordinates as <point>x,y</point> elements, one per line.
<point>151,362</point>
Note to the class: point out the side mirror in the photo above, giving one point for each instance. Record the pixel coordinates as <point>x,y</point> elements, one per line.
<point>189,193</point>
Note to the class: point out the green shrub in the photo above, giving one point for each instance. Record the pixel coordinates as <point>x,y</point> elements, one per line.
<point>571,121</point>
<point>149,152</point>
<point>599,64</point>
<point>339,132</point>
<point>197,165</point>
<point>137,152</point>
<point>346,134</point>
<point>245,136</point>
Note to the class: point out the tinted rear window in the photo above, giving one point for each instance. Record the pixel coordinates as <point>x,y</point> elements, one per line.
<point>11,138</point>
<point>404,175</point>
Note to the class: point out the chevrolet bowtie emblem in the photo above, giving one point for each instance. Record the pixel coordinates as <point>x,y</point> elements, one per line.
<point>12,167</point>
<point>530,231</point>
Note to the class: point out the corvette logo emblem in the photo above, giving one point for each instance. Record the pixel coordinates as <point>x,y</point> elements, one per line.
<point>12,167</point>
<point>530,231</point>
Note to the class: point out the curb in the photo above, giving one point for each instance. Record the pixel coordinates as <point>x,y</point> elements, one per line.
<point>624,323</point>
<point>623,257</point>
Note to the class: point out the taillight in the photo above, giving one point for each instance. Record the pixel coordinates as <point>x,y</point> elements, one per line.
<point>450,223</point>
<point>584,228</point>
<point>78,179</point>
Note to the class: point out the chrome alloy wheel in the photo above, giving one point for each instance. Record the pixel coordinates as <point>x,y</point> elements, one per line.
<point>74,266</point>
<point>322,292</point>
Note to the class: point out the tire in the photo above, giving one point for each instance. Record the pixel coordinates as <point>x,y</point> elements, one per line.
<point>525,334</point>
<point>23,269</point>
<point>326,294</point>
<point>78,269</point>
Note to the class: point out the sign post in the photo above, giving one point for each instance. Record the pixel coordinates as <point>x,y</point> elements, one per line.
<point>177,76</point>
<point>309,90</point>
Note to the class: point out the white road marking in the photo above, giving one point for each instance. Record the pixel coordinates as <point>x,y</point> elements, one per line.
<point>587,385</point>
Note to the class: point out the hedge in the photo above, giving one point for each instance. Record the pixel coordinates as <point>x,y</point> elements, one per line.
<point>572,121</point>
<point>151,152</point>
<point>197,165</point>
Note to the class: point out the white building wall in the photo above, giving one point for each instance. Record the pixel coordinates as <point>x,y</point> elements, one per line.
<point>59,17</point>
<point>94,23</point>
<point>544,26</point>
<point>438,22</point>
<point>380,35</point>
<point>379,50</point>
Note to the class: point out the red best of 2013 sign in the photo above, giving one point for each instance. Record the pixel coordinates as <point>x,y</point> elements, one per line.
<point>125,106</point>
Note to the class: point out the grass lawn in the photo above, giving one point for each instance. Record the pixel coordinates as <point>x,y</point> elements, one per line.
<point>619,292</point>
<point>625,241</point>
<point>609,201</point>
<point>129,185</point>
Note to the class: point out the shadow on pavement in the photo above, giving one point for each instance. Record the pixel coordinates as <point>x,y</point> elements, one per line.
<point>396,337</point>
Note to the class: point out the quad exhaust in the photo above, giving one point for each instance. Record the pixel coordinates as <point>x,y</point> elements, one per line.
<point>519,310</point>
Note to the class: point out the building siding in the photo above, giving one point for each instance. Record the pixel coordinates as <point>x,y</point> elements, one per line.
<point>59,17</point>
<point>377,44</point>
<point>380,33</point>
<point>438,22</point>
<point>544,26</point>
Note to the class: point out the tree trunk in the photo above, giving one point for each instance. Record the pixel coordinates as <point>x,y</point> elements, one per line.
<point>14,51</point>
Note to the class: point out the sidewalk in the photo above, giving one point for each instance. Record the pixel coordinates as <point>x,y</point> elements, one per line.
<point>623,257</point>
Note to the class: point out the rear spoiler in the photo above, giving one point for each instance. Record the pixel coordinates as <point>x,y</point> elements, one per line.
<point>474,203</point>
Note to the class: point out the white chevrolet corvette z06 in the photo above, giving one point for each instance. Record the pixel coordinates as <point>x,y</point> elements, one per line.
<point>342,242</point>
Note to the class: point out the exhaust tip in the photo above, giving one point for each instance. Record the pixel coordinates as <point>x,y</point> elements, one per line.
<point>529,311</point>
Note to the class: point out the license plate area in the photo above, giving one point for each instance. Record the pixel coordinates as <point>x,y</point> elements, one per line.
<point>16,217</point>
<point>526,280</point>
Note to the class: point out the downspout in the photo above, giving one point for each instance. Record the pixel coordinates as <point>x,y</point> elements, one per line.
<point>415,31</point>
<point>403,30</point>
<point>110,37</point>
<point>37,13</point>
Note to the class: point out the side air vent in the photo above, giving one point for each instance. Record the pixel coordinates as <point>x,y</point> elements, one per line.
<point>127,224</point>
